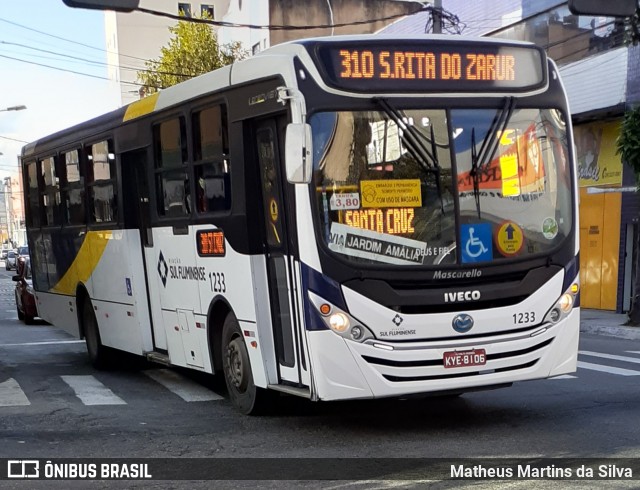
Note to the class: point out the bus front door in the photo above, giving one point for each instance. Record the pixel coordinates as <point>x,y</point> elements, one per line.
<point>281,271</point>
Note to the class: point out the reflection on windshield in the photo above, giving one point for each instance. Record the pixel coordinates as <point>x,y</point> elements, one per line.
<point>385,184</point>
<point>381,200</point>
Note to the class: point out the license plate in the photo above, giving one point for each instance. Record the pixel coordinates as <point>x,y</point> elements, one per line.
<point>455,359</point>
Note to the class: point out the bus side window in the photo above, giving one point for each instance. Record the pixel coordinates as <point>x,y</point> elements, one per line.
<point>171,157</point>
<point>34,210</point>
<point>50,192</point>
<point>211,160</point>
<point>101,182</point>
<point>72,184</point>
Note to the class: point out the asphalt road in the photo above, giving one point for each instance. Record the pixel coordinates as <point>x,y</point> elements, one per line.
<point>53,404</point>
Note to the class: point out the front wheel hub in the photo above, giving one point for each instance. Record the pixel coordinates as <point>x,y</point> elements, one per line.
<point>237,364</point>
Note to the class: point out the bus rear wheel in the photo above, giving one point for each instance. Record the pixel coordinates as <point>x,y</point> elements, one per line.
<point>98,354</point>
<point>244,394</point>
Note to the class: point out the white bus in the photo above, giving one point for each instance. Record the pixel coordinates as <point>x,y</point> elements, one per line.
<point>335,218</point>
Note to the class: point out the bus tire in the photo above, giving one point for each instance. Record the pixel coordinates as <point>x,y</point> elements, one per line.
<point>243,393</point>
<point>98,354</point>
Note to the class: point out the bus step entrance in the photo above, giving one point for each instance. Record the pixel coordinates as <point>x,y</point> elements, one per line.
<point>158,357</point>
<point>292,390</point>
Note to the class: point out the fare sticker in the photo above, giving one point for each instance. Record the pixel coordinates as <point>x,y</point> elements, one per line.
<point>509,238</point>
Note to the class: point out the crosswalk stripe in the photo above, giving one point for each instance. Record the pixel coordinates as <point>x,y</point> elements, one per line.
<point>91,391</point>
<point>633,352</point>
<point>608,369</point>
<point>11,395</point>
<point>186,389</point>
<point>610,356</point>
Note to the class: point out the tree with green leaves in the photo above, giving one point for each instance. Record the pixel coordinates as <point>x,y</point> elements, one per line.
<point>192,51</point>
<point>628,147</point>
<point>632,29</point>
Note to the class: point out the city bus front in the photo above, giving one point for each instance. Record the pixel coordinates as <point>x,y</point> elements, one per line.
<point>443,198</point>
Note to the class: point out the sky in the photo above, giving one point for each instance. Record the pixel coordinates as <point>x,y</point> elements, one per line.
<point>47,32</point>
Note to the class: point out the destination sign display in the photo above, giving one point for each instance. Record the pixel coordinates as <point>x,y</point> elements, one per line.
<point>438,66</point>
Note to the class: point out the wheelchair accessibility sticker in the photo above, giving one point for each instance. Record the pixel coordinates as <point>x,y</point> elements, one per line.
<point>476,240</point>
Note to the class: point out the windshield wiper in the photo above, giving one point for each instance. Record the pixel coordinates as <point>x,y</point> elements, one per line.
<point>489,145</point>
<point>412,137</point>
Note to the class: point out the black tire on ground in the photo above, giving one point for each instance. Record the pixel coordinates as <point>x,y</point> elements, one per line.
<point>98,354</point>
<point>245,396</point>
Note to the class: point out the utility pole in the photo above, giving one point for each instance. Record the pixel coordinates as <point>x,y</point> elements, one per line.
<point>437,16</point>
<point>8,204</point>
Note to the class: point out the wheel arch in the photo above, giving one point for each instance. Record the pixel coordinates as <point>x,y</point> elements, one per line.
<point>82,295</point>
<point>219,308</point>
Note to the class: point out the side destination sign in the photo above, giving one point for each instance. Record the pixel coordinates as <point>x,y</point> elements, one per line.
<point>371,245</point>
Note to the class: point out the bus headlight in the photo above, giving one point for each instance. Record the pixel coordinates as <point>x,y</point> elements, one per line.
<point>340,322</point>
<point>564,305</point>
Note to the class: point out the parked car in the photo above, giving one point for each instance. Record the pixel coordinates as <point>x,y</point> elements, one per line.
<point>10,261</point>
<point>23,251</point>
<point>25,294</point>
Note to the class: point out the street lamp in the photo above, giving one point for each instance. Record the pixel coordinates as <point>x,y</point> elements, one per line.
<point>14,108</point>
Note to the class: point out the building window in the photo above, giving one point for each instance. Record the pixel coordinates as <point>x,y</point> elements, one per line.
<point>184,8</point>
<point>211,160</point>
<point>207,11</point>
<point>255,49</point>
<point>101,181</point>
<point>172,181</point>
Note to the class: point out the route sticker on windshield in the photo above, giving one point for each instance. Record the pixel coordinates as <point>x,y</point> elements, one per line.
<point>509,238</point>
<point>550,228</point>
<point>344,201</point>
<point>372,245</point>
<point>476,240</point>
<point>391,193</point>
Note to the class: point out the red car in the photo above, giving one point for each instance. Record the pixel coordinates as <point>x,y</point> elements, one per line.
<point>25,295</point>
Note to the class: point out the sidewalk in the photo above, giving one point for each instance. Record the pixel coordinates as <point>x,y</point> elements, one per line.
<point>610,323</point>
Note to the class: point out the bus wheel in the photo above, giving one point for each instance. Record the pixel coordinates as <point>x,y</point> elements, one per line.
<point>244,394</point>
<point>97,352</point>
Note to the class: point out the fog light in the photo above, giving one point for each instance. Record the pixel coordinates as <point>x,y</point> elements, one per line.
<point>339,322</point>
<point>554,315</point>
<point>357,332</point>
<point>566,302</point>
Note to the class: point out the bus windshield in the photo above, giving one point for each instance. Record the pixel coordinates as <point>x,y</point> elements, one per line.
<point>405,187</point>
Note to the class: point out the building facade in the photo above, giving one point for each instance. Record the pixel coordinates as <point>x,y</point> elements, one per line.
<point>135,37</point>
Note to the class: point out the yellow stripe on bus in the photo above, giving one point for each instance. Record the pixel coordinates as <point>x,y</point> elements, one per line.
<point>85,262</point>
<point>141,107</point>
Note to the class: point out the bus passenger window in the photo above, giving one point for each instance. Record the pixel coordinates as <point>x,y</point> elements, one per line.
<point>33,196</point>
<point>101,180</point>
<point>172,180</point>
<point>73,188</point>
<point>211,163</point>
<point>50,192</point>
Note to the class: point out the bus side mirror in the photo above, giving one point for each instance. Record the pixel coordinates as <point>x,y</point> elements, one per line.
<point>298,161</point>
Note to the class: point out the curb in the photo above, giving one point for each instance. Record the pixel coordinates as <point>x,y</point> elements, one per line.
<point>619,331</point>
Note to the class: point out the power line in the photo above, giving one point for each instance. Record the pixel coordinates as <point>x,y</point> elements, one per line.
<point>102,63</point>
<point>69,40</point>
<point>70,71</point>
<point>279,27</point>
